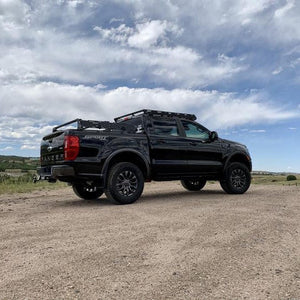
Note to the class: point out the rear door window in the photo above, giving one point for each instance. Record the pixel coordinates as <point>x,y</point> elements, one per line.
<point>165,127</point>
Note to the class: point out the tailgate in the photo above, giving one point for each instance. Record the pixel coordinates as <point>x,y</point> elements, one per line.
<point>52,149</point>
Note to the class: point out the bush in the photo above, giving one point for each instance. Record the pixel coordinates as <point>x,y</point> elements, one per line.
<point>4,178</point>
<point>291,177</point>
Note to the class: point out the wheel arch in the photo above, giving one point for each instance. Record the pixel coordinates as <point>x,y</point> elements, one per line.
<point>127,155</point>
<point>239,157</point>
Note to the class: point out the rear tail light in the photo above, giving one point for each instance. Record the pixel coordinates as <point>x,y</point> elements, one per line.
<point>71,147</point>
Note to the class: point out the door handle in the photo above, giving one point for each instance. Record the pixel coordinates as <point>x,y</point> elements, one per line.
<point>161,142</point>
<point>193,144</point>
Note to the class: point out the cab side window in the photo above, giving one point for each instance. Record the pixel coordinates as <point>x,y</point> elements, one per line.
<point>195,131</point>
<point>165,127</point>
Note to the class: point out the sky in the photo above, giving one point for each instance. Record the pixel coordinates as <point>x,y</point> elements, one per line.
<point>233,63</point>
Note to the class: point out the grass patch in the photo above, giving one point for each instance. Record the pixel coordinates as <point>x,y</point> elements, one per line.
<point>24,184</point>
<point>274,179</point>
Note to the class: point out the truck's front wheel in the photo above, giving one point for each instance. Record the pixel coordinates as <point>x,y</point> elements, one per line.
<point>86,191</point>
<point>237,179</point>
<point>125,183</point>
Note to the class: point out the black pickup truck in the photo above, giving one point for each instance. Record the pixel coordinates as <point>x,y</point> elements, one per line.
<point>118,157</point>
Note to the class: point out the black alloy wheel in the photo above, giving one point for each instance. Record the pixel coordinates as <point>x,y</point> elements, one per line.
<point>86,191</point>
<point>193,184</point>
<point>125,183</point>
<point>237,179</point>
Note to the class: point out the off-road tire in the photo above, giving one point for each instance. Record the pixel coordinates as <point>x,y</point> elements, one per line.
<point>125,183</point>
<point>87,192</point>
<point>193,184</point>
<point>237,179</point>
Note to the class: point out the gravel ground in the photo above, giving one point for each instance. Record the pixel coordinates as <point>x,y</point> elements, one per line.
<point>171,244</point>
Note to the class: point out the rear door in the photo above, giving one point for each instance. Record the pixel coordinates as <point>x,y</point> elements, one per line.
<point>203,156</point>
<point>166,145</point>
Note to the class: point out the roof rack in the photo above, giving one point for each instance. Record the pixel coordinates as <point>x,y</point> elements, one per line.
<point>84,124</point>
<point>150,112</point>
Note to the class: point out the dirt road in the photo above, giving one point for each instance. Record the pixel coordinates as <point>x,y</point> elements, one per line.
<point>171,244</point>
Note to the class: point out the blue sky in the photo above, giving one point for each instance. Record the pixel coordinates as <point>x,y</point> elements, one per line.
<point>234,63</point>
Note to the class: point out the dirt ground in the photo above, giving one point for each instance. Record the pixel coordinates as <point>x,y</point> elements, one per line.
<point>171,244</point>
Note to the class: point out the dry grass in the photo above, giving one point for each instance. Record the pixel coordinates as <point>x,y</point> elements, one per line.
<point>23,184</point>
<point>274,179</point>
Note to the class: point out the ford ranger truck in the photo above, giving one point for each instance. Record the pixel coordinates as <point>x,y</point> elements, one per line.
<point>117,158</point>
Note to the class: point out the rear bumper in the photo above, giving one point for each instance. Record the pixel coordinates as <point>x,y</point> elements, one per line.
<point>55,172</point>
<point>67,173</point>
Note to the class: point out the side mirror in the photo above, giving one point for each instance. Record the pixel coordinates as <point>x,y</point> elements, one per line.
<point>213,136</point>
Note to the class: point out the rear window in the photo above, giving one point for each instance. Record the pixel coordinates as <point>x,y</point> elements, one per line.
<point>165,127</point>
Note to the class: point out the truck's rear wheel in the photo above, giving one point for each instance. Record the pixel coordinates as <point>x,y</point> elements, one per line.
<point>193,184</point>
<point>87,192</point>
<point>125,183</point>
<point>237,179</point>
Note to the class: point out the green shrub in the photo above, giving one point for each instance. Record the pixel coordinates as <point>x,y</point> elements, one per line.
<point>4,178</point>
<point>291,177</point>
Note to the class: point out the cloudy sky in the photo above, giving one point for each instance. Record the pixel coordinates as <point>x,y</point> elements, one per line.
<point>234,63</point>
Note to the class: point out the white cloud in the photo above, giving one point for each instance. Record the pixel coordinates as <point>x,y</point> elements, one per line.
<point>88,61</point>
<point>280,12</point>
<point>8,148</point>
<point>277,71</point>
<point>29,147</point>
<point>119,34</point>
<point>250,8</point>
<point>52,103</point>
<point>66,59</point>
<point>14,10</point>
<point>75,3</point>
<point>146,50</point>
<point>257,131</point>
<point>116,20</point>
<point>143,35</point>
<point>149,33</point>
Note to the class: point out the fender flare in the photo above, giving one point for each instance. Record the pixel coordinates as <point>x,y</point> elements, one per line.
<point>112,155</point>
<point>243,154</point>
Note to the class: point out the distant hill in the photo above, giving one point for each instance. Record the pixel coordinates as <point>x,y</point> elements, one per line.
<point>273,173</point>
<point>18,162</point>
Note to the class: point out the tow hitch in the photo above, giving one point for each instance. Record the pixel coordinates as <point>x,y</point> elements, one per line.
<point>37,178</point>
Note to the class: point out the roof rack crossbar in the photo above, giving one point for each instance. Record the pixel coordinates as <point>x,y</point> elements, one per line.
<point>65,124</point>
<point>134,114</point>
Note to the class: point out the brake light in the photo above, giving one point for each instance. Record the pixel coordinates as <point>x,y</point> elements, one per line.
<point>71,147</point>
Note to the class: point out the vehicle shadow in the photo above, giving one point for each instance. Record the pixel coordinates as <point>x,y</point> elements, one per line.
<point>146,197</point>
<point>181,194</point>
<point>102,201</point>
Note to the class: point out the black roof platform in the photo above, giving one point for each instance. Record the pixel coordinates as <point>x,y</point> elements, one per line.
<point>155,113</point>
